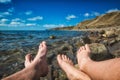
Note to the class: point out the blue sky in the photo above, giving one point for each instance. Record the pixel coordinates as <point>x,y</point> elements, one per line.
<point>45,14</point>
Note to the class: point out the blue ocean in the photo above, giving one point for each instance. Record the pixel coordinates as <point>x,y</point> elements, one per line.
<point>13,39</point>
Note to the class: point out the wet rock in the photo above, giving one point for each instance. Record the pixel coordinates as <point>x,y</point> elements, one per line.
<point>52,37</point>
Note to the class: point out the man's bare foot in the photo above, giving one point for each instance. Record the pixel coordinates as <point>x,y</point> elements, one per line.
<point>83,56</point>
<point>39,62</point>
<point>72,73</point>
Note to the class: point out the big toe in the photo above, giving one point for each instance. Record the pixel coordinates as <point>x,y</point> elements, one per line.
<point>59,59</point>
<point>43,44</point>
<point>87,48</point>
<point>28,58</point>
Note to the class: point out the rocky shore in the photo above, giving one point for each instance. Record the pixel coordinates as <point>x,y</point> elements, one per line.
<point>103,43</point>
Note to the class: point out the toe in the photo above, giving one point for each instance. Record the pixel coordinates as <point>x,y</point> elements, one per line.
<point>44,44</point>
<point>28,58</point>
<point>40,45</point>
<point>63,57</point>
<point>83,48</point>
<point>80,48</point>
<point>59,58</point>
<point>87,48</point>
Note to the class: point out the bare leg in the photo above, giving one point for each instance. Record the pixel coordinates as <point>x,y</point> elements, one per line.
<point>34,69</point>
<point>103,70</point>
<point>72,73</point>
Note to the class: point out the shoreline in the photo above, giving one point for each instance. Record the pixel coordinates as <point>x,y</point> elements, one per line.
<point>92,29</point>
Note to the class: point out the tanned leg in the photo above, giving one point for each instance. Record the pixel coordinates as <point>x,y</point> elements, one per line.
<point>72,73</point>
<point>34,69</point>
<point>102,70</point>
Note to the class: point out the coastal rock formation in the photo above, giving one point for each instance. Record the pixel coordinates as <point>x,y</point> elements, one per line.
<point>103,21</point>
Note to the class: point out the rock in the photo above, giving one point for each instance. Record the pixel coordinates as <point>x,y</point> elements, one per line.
<point>99,52</point>
<point>78,44</point>
<point>101,31</point>
<point>52,37</point>
<point>116,53</point>
<point>50,58</point>
<point>118,38</point>
<point>86,40</point>
<point>111,42</point>
<point>115,49</point>
<point>62,75</point>
<point>94,39</point>
<point>109,33</point>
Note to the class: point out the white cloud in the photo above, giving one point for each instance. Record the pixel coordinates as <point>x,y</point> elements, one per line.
<point>96,14</point>
<point>91,14</point>
<point>15,23</point>
<point>2,14</point>
<point>16,19</point>
<point>35,18</point>
<point>30,24</point>
<point>5,1</point>
<point>3,24</point>
<point>53,25</point>
<point>4,20</point>
<point>86,14</point>
<point>28,12</point>
<point>113,10</point>
<point>69,17</point>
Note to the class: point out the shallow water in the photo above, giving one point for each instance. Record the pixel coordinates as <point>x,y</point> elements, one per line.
<point>13,39</point>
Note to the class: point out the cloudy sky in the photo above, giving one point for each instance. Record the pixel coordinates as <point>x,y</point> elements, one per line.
<point>44,14</point>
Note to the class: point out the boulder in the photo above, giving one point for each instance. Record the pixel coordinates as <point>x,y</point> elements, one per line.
<point>115,49</point>
<point>99,52</point>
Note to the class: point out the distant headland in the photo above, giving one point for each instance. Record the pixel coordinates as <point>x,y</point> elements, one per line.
<point>104,21</point>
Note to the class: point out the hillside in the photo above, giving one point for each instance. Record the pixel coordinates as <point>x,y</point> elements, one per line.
<point>104,21</point>
<point>107,20</point>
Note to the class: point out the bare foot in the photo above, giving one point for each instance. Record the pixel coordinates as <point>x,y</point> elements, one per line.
<point>72,73</point>
<point>83,56</point>
<point>39,62</point>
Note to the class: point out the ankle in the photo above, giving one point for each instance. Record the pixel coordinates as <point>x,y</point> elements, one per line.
<point>85,63</point>
<point>32,73</point>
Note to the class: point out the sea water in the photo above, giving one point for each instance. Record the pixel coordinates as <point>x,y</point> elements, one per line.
<point>12,39</point>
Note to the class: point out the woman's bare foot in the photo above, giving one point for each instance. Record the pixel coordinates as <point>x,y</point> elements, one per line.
<point>39,62</point>
<point>83,56</point>
<point>72,73</point>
